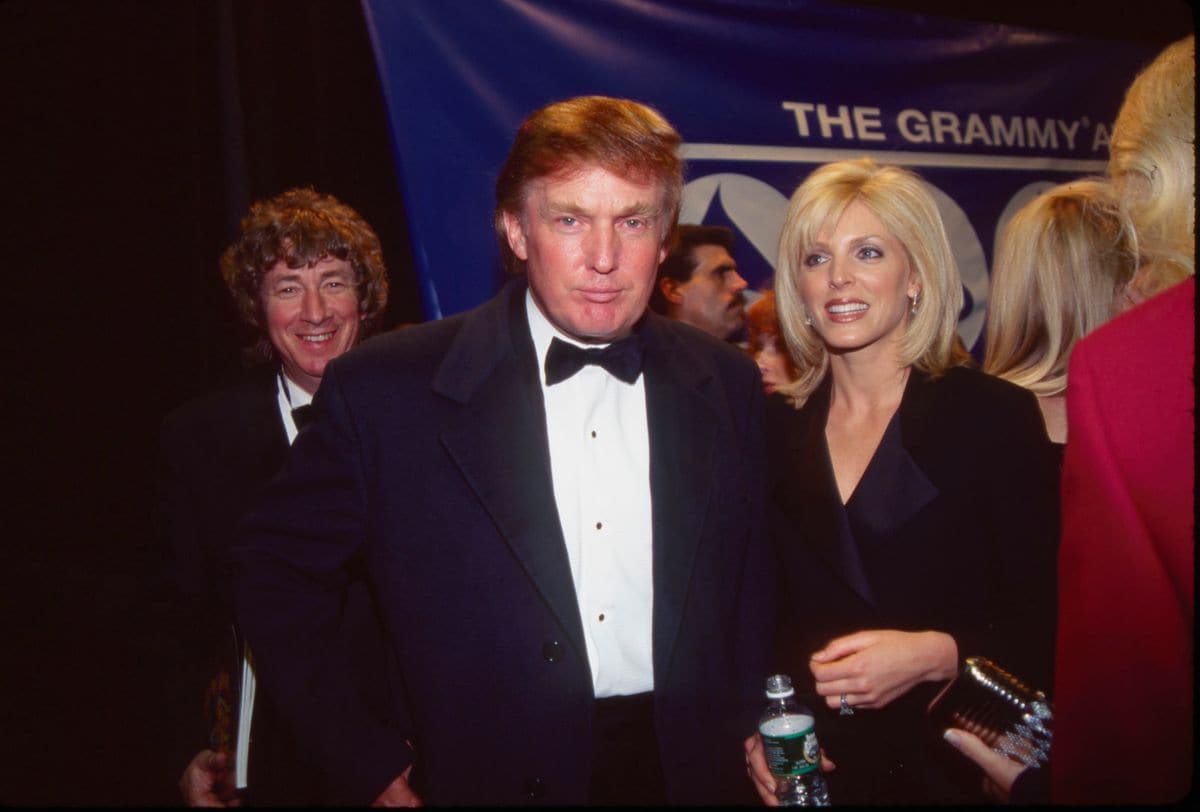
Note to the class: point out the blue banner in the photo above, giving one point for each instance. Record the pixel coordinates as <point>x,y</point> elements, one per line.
<point>762,91</point>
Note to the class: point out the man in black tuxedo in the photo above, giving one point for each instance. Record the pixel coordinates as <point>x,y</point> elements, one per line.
<point>556,501</point>
<point>308,278</point>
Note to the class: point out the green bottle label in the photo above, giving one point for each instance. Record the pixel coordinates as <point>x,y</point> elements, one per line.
<point>791,745</point>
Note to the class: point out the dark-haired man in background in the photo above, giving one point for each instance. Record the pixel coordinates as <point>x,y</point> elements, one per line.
<point>556,500</point>
<point>699,284</point>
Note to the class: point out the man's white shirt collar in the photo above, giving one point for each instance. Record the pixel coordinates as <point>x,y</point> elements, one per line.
<point>291,397</point>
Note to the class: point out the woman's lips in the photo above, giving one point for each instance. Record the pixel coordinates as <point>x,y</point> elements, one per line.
<point>846,310</point>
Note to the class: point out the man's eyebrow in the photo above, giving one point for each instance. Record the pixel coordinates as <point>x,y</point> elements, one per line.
<point>561,207</point>
<point>571,207</point>
<point>644,209</point>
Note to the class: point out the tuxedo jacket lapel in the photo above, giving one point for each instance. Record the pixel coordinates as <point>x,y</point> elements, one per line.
<point>242,450</point>
<point>498,441</point>
<point>680,420</point>
<point>266,439</point>
<point>892,491</point>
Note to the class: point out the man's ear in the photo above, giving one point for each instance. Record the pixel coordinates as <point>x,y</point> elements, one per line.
<point>515,233</point>
<point>669,288</point>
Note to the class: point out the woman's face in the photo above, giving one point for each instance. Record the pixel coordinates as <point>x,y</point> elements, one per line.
<point>772,363</point>
<point>855,282</point>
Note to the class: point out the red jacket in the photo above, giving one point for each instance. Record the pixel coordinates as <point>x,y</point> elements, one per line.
<point>1124,673</point>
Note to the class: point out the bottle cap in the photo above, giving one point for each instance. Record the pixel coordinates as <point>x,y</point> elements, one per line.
<point>779,686</point>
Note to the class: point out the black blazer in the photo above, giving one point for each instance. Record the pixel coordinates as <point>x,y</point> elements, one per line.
<point>953,528</point>
<point>217,453</point>
<point>428,466</point>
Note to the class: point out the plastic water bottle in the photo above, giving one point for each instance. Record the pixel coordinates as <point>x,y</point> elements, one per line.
<point>790,739</point>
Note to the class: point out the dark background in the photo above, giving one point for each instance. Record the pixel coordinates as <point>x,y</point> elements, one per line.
<point>135,134</point>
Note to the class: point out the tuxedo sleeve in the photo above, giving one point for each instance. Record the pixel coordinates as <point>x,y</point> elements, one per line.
<point>757,594</point>
<point>295,556</point>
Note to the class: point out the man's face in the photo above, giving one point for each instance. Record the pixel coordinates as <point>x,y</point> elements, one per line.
<point>591,242</point>
<point>712,298</point>
<point>312,316</point>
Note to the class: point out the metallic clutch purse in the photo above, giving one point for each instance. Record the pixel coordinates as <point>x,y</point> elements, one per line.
<point>1009,716</point>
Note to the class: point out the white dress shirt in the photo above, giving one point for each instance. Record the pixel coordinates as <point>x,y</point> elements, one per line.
<point>600,465</point>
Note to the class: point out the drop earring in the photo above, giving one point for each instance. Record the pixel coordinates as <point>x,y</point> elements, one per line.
<point>913,299</point>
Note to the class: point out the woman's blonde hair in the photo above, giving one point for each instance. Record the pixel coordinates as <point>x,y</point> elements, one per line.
<point>906,208</point>
<point>1152,164</point>
<point>1061,264</point>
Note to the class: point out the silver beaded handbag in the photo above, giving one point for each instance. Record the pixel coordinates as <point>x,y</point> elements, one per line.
<point>1009,716</point>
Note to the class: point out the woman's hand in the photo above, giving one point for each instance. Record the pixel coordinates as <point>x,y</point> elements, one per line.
<point>871,668</point>
<point>1000,771</point>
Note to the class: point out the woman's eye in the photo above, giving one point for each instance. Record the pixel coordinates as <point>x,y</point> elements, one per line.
<point>870,252</point>
<point>813,259</point>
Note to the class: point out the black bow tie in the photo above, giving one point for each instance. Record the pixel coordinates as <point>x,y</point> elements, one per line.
<point>302,415</point>
<point>621,358</point>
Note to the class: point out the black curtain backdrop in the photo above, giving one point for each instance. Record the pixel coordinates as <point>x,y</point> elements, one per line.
<point>142,132</point>
<point>135,134</point>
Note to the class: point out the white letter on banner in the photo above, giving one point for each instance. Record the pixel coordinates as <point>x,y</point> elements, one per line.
<point>756,208</point>
<point>976,130</point>
<point>944,122</point>
<point>866,121</point>
<point>828,122</point>
<point>1041,136</point>
<point>1102,138</point>
<point>1011,136</point>
<point>800,109</point>
<point>919,134</point>
<point>1069,132</point>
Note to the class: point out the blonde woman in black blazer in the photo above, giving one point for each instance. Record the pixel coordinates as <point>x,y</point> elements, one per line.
<point>913,499</point>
